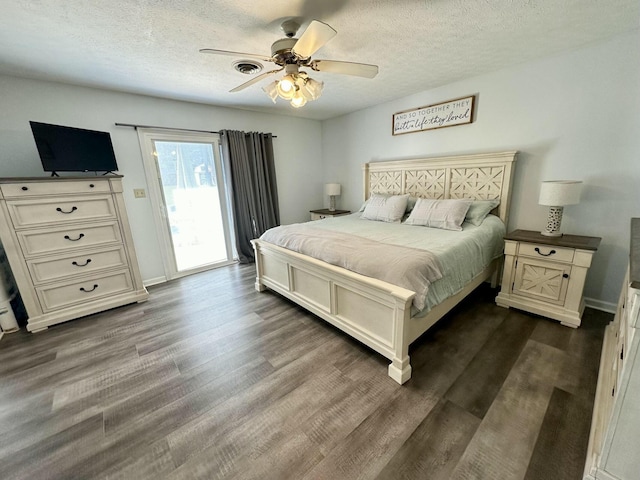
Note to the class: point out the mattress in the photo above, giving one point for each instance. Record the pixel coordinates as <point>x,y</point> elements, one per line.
<point>462,255</point>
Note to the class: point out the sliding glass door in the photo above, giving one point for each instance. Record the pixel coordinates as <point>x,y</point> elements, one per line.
<point>190,199</point>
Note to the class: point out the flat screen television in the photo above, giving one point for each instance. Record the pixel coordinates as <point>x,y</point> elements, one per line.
<point>69,149</point>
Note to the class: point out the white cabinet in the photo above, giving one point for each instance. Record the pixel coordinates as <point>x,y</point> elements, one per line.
<point>69,246</point>
<point>613,452</point>
<point>546,275</point>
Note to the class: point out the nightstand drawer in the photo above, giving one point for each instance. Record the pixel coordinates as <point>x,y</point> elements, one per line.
<point>548,252</point>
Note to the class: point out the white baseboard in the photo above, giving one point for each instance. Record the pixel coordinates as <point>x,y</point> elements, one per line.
<point>600,305</point>
<point>154,281</point>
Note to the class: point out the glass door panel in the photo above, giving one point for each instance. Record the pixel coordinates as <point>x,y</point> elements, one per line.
<point>192,202</point>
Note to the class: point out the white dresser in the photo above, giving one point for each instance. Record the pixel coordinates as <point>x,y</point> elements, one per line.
<point>614,451</point>
<point>69,246</point>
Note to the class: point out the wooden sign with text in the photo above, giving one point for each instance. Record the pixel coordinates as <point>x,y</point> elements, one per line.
<point>440,115</point>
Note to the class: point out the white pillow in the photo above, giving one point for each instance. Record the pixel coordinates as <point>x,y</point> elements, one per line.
<point>385,208</point>
<point>445,214</point>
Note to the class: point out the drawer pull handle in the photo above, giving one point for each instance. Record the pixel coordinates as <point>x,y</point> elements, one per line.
<point>551,252</point>
<point>82,264</point>
<point>67,237</point>
<point>91,185</point>
<point>25,188</point>
<point>73,209</point>
<point>565,275</point>
<point>82,289</point>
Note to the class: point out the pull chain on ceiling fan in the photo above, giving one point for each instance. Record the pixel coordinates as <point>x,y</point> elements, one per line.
<point>292,54</point>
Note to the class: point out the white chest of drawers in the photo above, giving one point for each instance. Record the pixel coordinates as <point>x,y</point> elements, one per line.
<point>615,426</point>
<point>69,246</point>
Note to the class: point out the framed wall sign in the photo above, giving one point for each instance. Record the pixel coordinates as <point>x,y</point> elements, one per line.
<point>439,115</point>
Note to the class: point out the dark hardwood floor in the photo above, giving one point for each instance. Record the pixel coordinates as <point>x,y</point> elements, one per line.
<point>210,379</point>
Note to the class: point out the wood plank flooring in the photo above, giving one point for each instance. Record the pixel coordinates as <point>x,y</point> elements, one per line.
<point>210,379</point>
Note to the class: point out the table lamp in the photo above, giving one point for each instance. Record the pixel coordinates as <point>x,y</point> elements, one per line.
<point>556,194</point>
<point>332,189</point>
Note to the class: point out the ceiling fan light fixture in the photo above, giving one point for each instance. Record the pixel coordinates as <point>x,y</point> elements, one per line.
<point>313,89</point>
<point>271,90</point>
<point>298,101</point>
<point>286,86</point>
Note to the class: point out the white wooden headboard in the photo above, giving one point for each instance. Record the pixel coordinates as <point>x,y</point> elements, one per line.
<point>483,176</point>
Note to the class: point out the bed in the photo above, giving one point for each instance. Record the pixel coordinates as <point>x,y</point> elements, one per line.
<point>377,313</point>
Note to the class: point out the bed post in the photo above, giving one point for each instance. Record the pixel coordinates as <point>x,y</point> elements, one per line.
<point>400,367</point>
<point>258,257</point>
<point>365,178</point>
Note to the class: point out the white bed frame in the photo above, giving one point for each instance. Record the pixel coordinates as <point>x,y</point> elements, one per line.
<point>375,312</point>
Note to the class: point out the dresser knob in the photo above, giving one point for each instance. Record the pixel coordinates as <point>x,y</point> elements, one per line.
<point>565,275</point>
<point>25,188</point>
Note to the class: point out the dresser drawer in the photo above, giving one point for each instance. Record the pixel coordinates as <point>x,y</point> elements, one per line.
<point>57,268</point>
<point>55,297</point>
<point>556,254</point>
<point>63,239</point>
<point>54,187</point>
<point>31,213</point>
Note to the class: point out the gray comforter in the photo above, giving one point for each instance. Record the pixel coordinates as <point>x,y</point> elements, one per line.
<point>410,268</point>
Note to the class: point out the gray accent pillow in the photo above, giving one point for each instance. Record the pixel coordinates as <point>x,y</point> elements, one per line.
<point>479,210</point>
<point>385,208</point>
<point>444,214</point>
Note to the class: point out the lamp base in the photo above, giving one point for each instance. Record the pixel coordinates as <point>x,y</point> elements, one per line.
<point>332,203</point>
<point>553,222</point>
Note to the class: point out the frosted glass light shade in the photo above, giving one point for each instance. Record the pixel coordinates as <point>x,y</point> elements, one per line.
<point>332,189</point>
<point>558,193</point>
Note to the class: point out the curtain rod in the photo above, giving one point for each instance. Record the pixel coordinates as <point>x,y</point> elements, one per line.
<point>168,128</point>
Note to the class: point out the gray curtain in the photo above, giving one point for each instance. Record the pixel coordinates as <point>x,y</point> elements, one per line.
<point>254,193</point>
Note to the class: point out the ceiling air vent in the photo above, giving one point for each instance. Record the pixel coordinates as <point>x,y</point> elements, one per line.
<point>247,67</point>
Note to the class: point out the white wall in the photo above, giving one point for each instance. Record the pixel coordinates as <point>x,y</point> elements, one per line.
<point>297,148</point>
<point>571,116</point>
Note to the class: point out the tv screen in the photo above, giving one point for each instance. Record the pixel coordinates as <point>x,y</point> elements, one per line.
<point>68,149</point>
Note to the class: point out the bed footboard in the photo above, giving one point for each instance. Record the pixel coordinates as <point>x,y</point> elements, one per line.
<point>371,311</point>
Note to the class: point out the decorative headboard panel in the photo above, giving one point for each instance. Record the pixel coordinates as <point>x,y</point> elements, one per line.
<point>483,176</point>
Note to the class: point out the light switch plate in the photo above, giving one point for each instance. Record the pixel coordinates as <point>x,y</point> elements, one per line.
<point>139,193</point>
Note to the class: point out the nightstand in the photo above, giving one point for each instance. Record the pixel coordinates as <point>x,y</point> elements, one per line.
<point>326,213</point>
<point>546,275</point>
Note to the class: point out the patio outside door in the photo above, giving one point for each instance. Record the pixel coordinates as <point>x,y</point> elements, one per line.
<point>190,199</point>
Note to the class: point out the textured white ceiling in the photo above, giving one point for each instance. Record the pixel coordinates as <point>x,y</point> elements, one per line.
<point>151,46</point>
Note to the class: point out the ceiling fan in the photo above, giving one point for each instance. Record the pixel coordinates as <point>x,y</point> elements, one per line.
<point>291,54</point>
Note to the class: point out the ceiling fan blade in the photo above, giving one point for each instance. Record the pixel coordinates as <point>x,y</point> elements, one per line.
<point>236,54</point>
<point>254,80</point>
<point>314,37</point>
<point>345,68</point>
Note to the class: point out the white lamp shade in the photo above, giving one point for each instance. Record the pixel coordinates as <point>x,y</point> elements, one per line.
<point>332,189</point>
<point>558,193</point>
